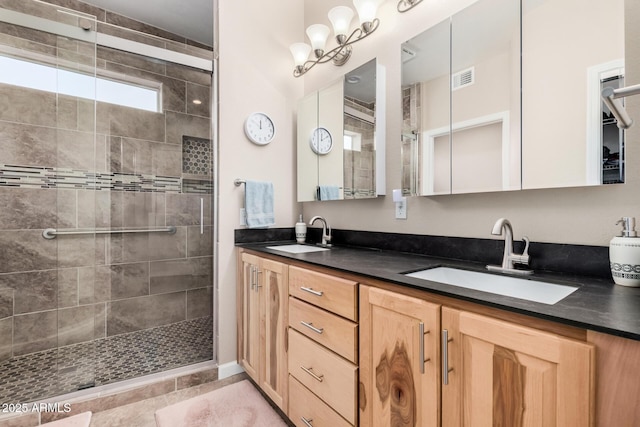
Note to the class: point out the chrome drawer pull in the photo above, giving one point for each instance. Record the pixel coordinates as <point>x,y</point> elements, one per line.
<point>307,422</point>
<point>445,357</point>
<point>310,372</point>
<point>311,291</point>
<point>313,328</point>
<point>422,333</point>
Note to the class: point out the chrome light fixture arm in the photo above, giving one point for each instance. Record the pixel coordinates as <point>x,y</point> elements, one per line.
<point>341,53</point>
<point>407,5</point>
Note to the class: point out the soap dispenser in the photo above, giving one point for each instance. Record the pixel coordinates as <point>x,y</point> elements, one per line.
<point>301,230</point>
<point>624,254</point>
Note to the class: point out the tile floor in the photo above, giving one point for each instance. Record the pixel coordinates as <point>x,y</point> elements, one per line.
<point>55,372</point>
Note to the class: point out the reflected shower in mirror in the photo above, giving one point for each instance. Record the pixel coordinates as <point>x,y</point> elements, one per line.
<point>340,138</point>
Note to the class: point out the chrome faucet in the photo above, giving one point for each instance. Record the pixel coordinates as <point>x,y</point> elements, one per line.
<point>326,230</point>
<point>509,259</point>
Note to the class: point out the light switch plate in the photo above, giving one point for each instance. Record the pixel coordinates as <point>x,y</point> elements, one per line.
<point>401,210</point>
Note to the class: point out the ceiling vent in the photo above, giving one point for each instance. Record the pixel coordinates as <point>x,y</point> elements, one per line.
<point>463,78</point>
<point>407,54</point>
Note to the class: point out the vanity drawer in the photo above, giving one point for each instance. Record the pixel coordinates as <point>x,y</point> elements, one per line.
<point>331,293</point>
<point>328,376</point>
<point>334,332</point>
<point>304,404</point>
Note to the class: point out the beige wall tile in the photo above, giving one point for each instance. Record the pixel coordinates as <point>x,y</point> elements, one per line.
<point>32,208</point>
<point>33,290</point>
<point>27,106</point>
<point>6,300</point>
<point>199,303</point>
<point>26,250</point>
<point>134,314</point>
<point>6,338</point>
<point>129,280</point>
<point>35,332</point>
<point>67,287</point>
<point>199,244</point>
<point>115,120</point>
<point>179,275</point>
<point>76,324</point>
<point>179,125</point>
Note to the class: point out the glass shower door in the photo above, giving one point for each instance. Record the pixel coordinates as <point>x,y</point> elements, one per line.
<point>48,307</point>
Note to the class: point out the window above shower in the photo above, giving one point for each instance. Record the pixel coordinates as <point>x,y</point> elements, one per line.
<point>109,87</point>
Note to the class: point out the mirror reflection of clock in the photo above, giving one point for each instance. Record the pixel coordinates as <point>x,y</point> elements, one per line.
<point>321,141</point>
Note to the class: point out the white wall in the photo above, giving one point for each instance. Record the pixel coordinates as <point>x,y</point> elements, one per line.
<point>255,74</point>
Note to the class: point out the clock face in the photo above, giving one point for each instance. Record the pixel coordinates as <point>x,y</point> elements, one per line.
<point>321,141</point>
<point>259,128</point>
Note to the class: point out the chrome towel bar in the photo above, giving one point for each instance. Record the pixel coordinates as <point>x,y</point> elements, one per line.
<point>51,233</point>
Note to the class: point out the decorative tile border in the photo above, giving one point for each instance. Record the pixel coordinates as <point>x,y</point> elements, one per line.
<point>44,177</point>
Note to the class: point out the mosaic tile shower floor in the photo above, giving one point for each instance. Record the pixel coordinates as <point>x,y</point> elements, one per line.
<point>103,361</point>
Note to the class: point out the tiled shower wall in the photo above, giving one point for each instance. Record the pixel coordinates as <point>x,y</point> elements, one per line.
<point>74,289</point>
<point>411,114</point>
<point>359,166</point>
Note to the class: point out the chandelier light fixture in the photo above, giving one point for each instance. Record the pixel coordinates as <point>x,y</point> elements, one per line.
<point>340,18</point>
<point>406,5</point>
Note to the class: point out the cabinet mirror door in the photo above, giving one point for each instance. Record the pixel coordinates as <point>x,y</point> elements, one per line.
<point>461,103</point>
<point>341,138</point>
<point>569,138</point>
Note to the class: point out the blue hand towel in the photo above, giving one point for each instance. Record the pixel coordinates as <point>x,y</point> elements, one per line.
<point>329,192</point>
<point>258,202</point>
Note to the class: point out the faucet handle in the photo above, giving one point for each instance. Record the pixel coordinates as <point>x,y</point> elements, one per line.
<point>524,258</point>
<point>525,239</point>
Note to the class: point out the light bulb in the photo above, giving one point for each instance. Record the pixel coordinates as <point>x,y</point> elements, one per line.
<point>340,17</point>
<point>300,52</point>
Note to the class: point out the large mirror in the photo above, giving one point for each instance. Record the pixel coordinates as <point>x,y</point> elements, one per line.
<point>340,138</point>
<point>461,103</point>
<point>569,137</point>
<point>466,128</point>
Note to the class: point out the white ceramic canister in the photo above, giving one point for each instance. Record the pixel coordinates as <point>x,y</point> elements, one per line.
<point>624,254</point>
<point>301,230</point>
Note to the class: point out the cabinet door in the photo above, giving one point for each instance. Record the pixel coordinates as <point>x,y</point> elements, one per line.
<point>503,374</point>
<point>399,360</point>
<point>273,290</point>
<point>250,300</point>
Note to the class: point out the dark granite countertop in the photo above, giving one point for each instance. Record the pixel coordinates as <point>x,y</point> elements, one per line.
<point>598,304</point>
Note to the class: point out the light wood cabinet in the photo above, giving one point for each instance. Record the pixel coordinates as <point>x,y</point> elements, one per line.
<point>262,329</point>
<point>330,351</point>
<point>478,370</point>
<point>323,348</point>
<point>498,373</point>
<point>399,360</point>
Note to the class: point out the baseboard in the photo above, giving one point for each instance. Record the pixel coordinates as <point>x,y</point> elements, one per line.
<point>228,369</point>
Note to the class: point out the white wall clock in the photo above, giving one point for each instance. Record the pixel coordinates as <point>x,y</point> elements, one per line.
<point>259,128</point>
<point>321,141</point>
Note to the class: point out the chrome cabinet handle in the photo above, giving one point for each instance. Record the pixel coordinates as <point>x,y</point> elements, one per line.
<point>258,285</point>
<point>252,271</point>
<point>422,359</point>
<point>309,371</point>
<point>312,291</point>
<point>445,357</point>
<point>313,328</point>
<point>306,421</point>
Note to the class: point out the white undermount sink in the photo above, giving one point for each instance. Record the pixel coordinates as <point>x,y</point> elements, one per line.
<point>531,290</point>
<point>297,249</point>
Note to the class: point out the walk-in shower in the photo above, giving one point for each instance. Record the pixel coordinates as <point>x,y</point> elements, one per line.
<point>106,219</point>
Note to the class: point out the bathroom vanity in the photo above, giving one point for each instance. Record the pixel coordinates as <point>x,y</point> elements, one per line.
<point>360,343</point>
